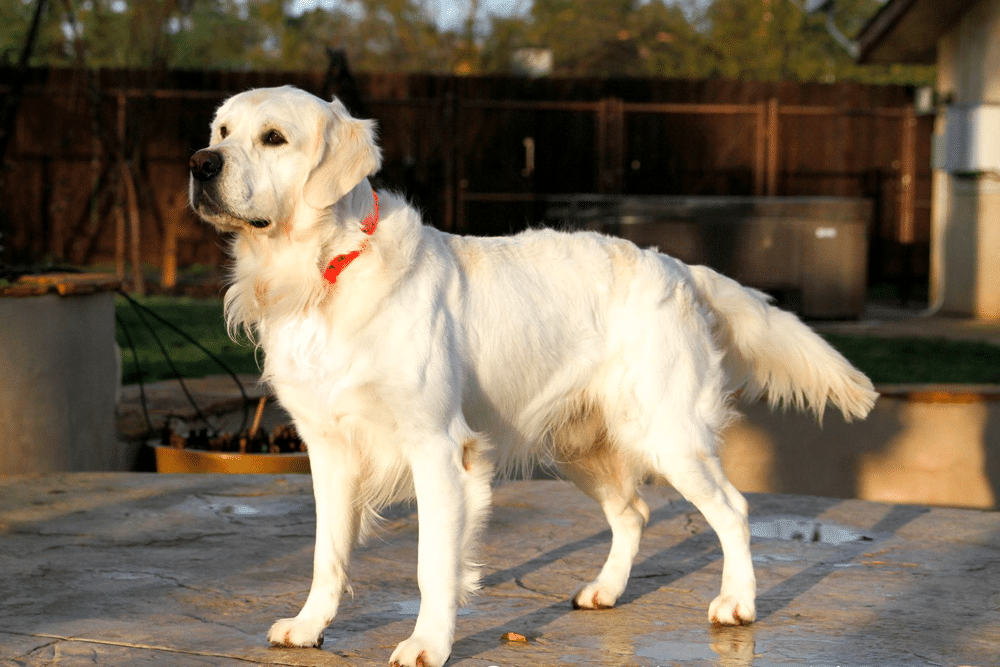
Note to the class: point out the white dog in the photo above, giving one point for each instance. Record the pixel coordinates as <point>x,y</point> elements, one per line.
<point>414,361</point>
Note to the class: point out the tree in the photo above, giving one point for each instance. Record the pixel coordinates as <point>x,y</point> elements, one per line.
<point>15,17</point>
<point>670,44</point>
<point>587,38</point>
<point>776,39</point>
<point>740,39</point>
<point>221,34</point>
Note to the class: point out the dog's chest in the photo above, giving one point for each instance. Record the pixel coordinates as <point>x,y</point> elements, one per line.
<point>307,351</point>
<point>322,376</point>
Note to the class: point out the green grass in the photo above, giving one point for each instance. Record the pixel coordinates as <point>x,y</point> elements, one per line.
<point>199,318</point>
<point>884,360</point>
<point>921,360</point>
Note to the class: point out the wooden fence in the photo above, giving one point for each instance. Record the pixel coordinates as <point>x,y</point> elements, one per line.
<point>96,171</point>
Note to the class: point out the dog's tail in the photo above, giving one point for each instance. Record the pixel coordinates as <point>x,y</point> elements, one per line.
<point>769,351</point>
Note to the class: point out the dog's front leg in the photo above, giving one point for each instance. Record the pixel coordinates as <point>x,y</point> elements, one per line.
<point>437,479</point>
<point>337,519</point>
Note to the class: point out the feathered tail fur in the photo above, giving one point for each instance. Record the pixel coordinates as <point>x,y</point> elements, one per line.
<point>771,352</point>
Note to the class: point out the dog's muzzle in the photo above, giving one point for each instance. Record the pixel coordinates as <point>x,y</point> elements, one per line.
<point>205,165</point>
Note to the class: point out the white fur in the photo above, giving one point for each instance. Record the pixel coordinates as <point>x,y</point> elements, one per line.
<point>435,357</point>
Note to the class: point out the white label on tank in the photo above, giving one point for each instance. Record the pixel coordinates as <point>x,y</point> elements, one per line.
<point>826,232</point>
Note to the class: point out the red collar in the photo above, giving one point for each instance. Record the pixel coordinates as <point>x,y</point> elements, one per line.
<point>340,262</point>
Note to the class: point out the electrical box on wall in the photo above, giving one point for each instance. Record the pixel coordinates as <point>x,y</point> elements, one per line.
<point>972,139</point>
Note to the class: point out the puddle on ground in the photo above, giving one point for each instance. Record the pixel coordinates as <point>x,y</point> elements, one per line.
<point>120,582</point>
<point>675,651</point>
<point>803,529</point>
<point>722,647</point>
<point>261,506</point>
<point>236,510</point>
<point>735,647</point>
<point>409,607</point>
<point>125,575</point>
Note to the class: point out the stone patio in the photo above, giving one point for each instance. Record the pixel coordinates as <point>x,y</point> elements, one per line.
<point>158,570</point>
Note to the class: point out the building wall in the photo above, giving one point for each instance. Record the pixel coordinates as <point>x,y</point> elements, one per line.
<point>969,56</point>
<point>966,215</point>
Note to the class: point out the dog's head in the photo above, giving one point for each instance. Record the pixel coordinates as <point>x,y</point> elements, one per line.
<point>275,150</point>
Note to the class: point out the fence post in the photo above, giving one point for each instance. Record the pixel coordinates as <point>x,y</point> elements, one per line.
<point>907,171</point>
<point>134,225</point>
<point>602,141</point>
<point>772,147</point>
<point>462,183</point>
<point>760,149</point>
<point>168,271</point>
<point>907,200</point>
<point>450,113</point>
<point>120,196</point>
<point>131,204</point>
<point>611,146</point>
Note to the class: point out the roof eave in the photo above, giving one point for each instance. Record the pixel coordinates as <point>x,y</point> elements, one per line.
<point>907,31</point>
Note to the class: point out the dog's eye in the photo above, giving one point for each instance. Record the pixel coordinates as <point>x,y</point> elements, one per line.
<point>273,138</point>
<point>223,131</point>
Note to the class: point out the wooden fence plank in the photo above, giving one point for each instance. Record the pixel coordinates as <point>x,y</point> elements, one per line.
<point>457,146</point>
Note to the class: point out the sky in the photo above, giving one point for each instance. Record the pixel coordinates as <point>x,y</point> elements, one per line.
<point>450,14</point>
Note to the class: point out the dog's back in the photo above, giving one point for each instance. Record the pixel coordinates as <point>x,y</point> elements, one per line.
<point>616,364</point>
<point>587,318</point>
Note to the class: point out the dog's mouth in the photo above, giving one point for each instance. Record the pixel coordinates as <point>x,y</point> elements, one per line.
<point>222,218</point>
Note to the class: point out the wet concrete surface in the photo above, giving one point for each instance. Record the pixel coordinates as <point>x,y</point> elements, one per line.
<point>133,569</point>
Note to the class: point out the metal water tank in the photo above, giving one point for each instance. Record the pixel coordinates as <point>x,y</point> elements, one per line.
<point>816,247</point>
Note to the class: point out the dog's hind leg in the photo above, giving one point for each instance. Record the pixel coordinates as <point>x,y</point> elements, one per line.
<point>605,474</point>
<point>627,515</point>
<point>697,475</point>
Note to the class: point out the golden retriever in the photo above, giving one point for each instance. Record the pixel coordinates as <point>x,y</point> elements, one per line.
<point>415,363</point>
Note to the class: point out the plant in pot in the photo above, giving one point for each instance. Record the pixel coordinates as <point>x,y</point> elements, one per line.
<point>185,449</point>
<point>254,451</point>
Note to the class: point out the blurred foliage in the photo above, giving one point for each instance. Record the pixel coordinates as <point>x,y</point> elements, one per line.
<point>737,39</point>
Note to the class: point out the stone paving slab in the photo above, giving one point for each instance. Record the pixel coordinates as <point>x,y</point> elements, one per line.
<point>158,570</point>
<point>882,321</point>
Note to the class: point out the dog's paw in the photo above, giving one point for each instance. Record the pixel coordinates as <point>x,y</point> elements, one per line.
<point>596,595</point>
<point>732,610</point>
<point>296,633</point>
<point>420,652</point>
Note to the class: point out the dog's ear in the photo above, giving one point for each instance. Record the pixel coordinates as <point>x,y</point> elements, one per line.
<point>346,152</point>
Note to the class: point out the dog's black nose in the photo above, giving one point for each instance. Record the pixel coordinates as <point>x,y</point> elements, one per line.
<point>205,165</point>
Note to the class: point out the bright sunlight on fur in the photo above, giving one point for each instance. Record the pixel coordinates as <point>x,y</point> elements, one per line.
<point>417,364</point>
